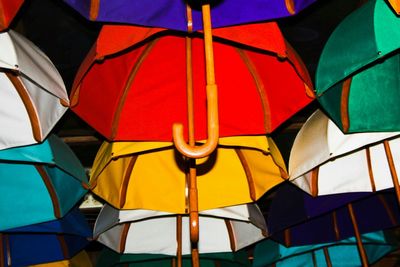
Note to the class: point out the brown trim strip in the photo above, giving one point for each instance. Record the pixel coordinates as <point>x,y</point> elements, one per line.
<point>125,181</point>
<point>388,210</point>
<point>30,107</point>
<point>1,250</point>
<point>392,167</point>
<point>63,246</point>
<point>314,182</point>
<point>250,180</point>
<point>344,105</point>
<point>314,259</point>
<point>290,6</point>
<point>260,88</point>
<point>360,246</point>
<point>94,9</point>
<point>327,257</point>
<point>50,188</point>
<point>370,171</point>
<point>124,236</point>
<point>178,262</point>
<point>128,84</point>
<point>287,237</point>
<point>231,234</point>
<point>336,226</point>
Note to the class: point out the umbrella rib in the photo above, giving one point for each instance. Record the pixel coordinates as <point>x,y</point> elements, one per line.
<point>131,77</point>
<point>344,105</point>
<point>50,188</point>
<point>335,225</point>
<point>124,236</point>
<point>249,176</point>
<point>392,167</point>
<point>327,257</point>
<point>231,234</point>
<point>94,9</point>
<point>30,108</point>
<point>290,7</point>
<point>314,182</point>
<point>388,210</point>
<point>370,172</point>
<point>125,181</point>
<point>260,88</point>
<point>63,245</point>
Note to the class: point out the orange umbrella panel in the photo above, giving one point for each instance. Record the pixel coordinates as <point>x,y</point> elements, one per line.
<point>155,178</point>
<point>140,92</point>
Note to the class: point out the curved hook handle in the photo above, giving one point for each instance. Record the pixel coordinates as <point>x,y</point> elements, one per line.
<point>213,129</point>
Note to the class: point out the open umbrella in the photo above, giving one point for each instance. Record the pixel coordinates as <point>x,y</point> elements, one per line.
<point>145,231</point>
<point>340,253</point>
<point>32,97</point>
<point>323,159</point>
<point>152,175</point>
<point>304,220</point>
<point>359,88</point>
<point>46,242</point>
<point>172,14</point>
<point>132,86</point>
<point>109,258</point>
<point>39,183</point>
<point>8,10</point>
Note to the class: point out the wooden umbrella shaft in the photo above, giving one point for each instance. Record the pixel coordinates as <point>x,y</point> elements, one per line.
<point>360,246</point>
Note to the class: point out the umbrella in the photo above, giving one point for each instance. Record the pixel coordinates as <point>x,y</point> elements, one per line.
<point>263,80</point>
<point>45,242</point>
<point>8,10</point>
<point>172,14</point>
<point>33,95</point>
<point>349,79</point>
<point>109,258</point>
<point>305,220</point>
<point>151,175</point>
<point>144,231</point>
<point>340,253</point>
<point>322,159</point>
<point>39,183</point>
<point>80,259</point>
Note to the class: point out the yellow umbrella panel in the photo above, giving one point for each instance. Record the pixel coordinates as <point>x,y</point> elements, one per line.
<point>153,175</point>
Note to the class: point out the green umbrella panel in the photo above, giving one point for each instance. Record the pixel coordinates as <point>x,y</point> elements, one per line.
<point>357,79</point>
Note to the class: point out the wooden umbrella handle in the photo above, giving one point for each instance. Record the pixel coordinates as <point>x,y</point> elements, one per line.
<point>192,151</point>
<point>213,130</point>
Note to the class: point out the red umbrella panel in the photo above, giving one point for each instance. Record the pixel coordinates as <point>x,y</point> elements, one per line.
<point>8,10</point>
<point>132,85</point>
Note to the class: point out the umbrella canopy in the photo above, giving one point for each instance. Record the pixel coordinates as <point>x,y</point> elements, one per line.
<point>172,14</point>
<point>349,79</point>
<point>33,96</point>
<point>45,242</point>
<point>80,259</point>
<point>137,91</point>
<point>340,253</point>
<point>144,231</point>
<point>109,258</point>
<point>395,5</point>
<point>8,10</point>
<point>322,159</point>
<point>151,175</point>
<point>39,183</point>
<point>371,213</point>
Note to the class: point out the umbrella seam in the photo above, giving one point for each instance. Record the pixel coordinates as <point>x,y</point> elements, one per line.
<point>260,88</point>
<point>30,108</point>
<point>63,245</point>
<point>132,75</point>
<point>124,236</point>
<point>50,188</point>
<point>247,171</point>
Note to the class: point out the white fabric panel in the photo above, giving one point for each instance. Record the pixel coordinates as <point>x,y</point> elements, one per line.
<point>15,125</point>
<point>320,140</point>
<point>18,53</point>
<point>157,234</point>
